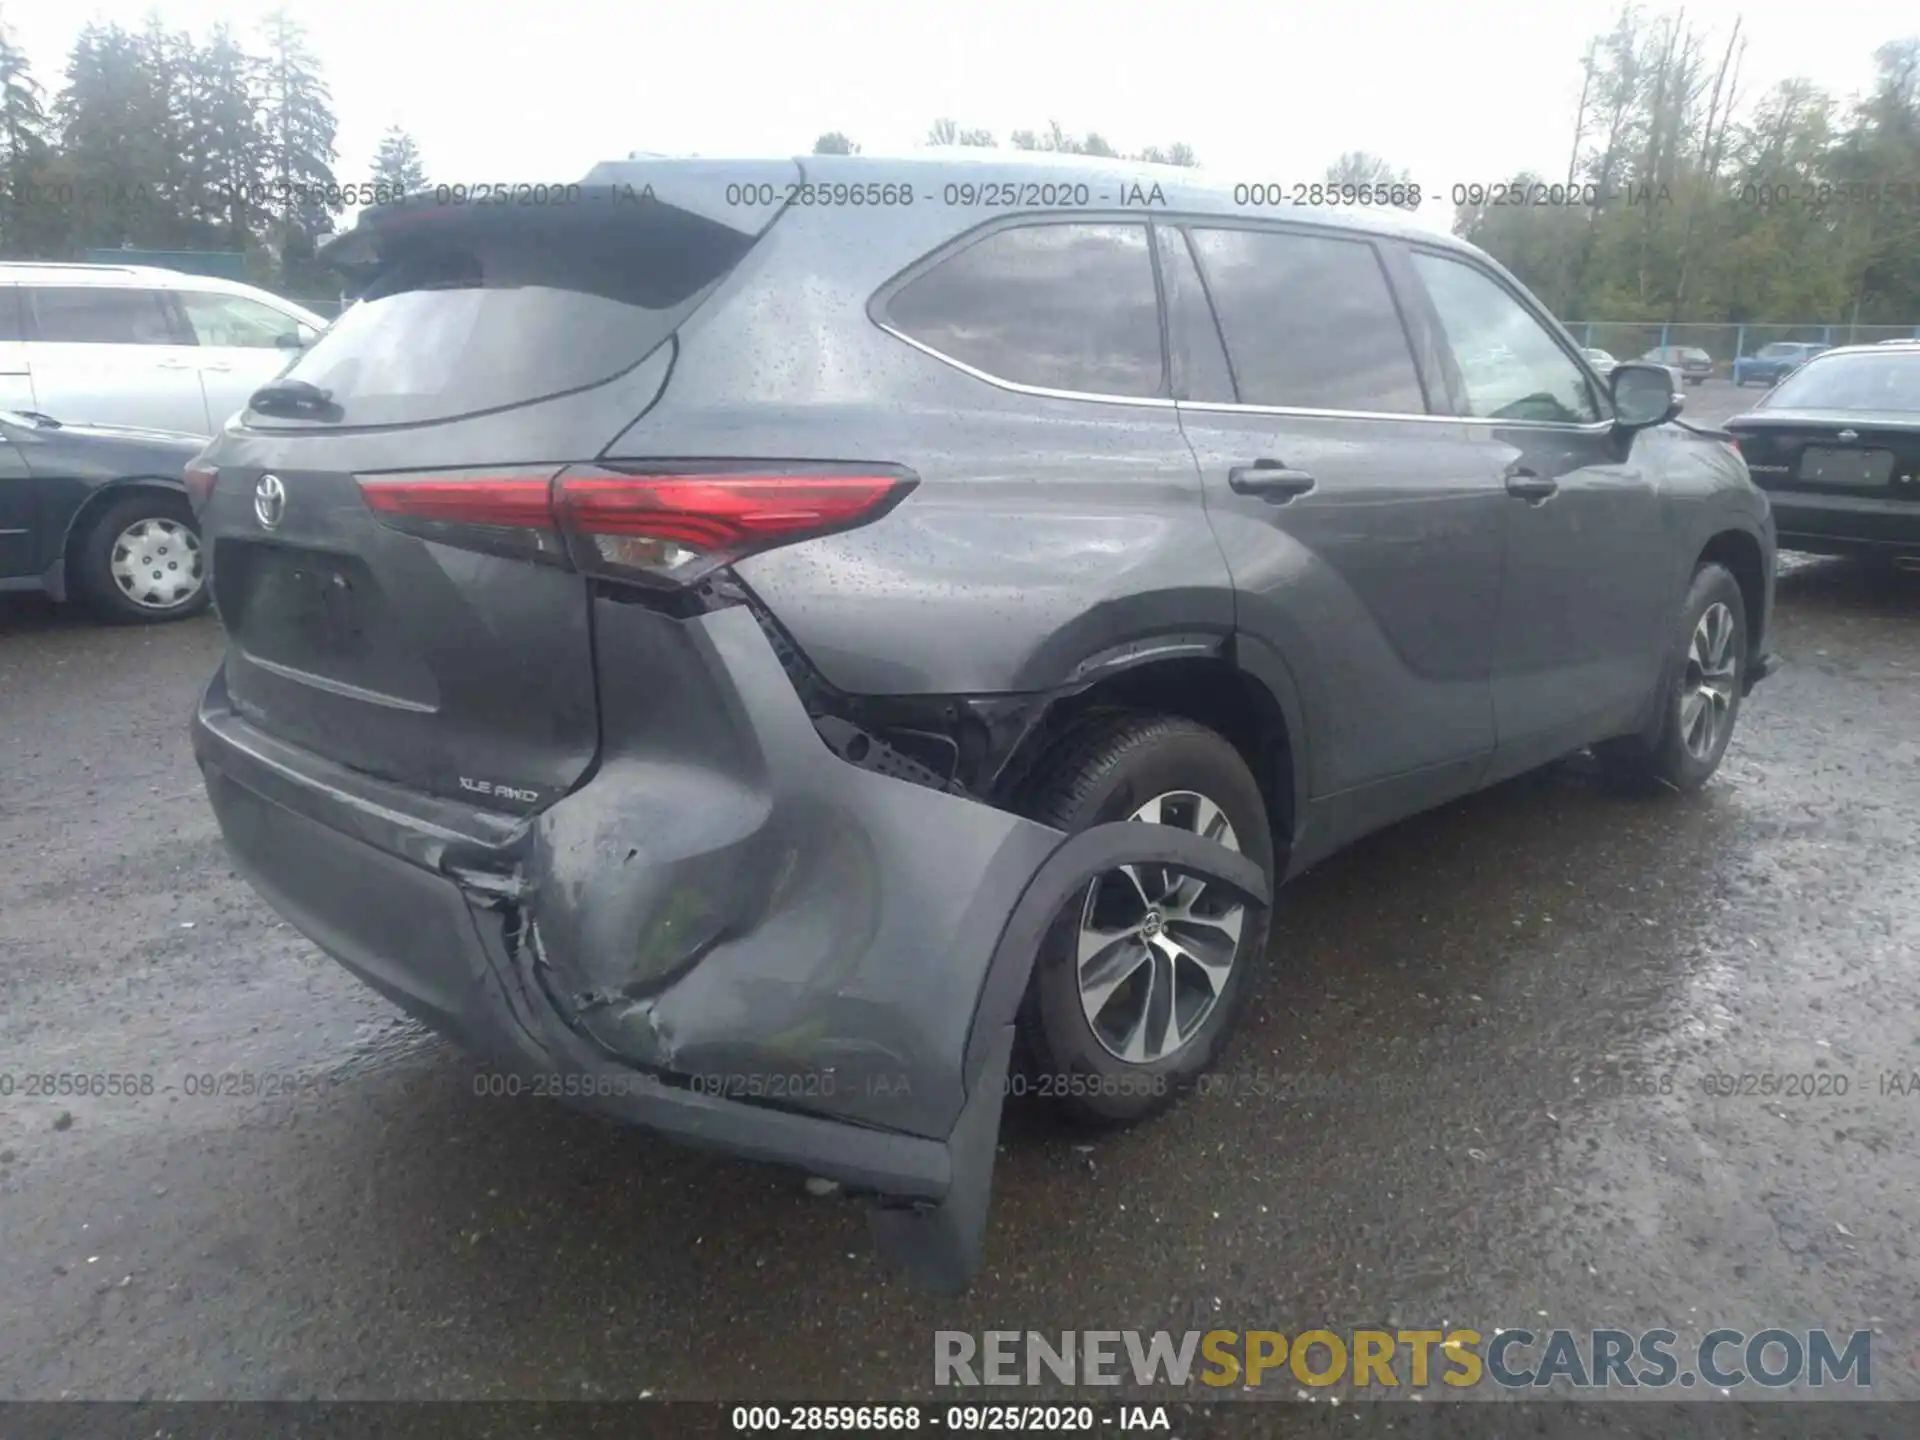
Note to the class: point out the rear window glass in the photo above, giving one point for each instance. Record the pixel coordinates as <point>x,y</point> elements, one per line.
<point>1061,307</point>
<point>1851,382</point>
<point>470,309</point>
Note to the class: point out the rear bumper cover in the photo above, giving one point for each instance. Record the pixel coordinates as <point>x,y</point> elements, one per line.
<point>1842,524</point>
<point>783,956</point>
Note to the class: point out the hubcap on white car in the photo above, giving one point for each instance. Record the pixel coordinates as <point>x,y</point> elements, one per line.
<point>156,564</point>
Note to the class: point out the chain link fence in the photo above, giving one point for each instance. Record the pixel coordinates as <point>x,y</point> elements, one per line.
<point>1627,340</point>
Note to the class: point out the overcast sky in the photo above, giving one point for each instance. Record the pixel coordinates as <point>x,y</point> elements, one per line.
<point>1456,91</point>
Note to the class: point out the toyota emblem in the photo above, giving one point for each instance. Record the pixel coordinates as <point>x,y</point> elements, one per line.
<point>1847,437</point>
<point>269,501</point>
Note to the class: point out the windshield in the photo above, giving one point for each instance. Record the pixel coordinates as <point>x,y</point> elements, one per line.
<point>1778,351</point>
<point>1852,382</point>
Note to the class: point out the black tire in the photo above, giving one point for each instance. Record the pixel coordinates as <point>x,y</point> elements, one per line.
<point>1667,759</point>
<point>92,562</point>
<point>1106,770</point>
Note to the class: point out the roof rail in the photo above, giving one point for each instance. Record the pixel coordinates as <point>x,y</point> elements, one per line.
<point>67,265</point>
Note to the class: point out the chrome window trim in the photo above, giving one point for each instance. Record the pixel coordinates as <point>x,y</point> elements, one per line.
<point>1228,408</point>
<point>1016,387</point>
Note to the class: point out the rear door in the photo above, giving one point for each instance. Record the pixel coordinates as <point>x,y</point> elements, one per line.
<point>113,355</point>
<point>443,647</point>
<point>1361,527</point>
<point>241,344</point>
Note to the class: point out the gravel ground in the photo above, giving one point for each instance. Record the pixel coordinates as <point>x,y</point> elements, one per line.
<point>1452,995</point>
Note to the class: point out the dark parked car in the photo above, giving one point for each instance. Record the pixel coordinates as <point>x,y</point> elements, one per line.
<point>100,513</point>
<point>1771,364</point>
<point>754,661</point>
<point>1688,362</point>
<point>1837,446</point>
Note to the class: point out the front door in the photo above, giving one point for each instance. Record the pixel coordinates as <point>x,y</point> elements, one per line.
<point>1585,581</point>
<point>242,345</point>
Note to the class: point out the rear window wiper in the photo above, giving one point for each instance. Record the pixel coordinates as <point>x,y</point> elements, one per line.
<point>299,398</point>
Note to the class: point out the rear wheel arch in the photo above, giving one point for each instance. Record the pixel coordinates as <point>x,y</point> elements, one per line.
<point>1239,702</point>
<point>114,491</point>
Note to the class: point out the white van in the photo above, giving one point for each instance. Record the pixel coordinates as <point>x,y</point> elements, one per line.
<point>133,345</point>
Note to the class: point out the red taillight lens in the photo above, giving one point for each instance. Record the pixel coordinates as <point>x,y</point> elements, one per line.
<point>506,512</point>
<point>200,480</point>
<point>677,527</point>
<point>670,525</point>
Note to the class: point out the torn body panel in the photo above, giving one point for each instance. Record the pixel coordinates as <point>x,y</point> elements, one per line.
<point>726,904</point>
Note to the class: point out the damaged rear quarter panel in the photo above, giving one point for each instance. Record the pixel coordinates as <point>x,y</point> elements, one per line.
<point>729,900</point>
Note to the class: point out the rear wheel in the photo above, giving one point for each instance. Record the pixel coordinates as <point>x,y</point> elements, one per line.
<point>140,560</point>
<point>1141,980</point>
<point>1706,675</point>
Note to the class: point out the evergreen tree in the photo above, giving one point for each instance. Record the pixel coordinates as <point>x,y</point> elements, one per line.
<point>396,165</point>
<point>30,217</point>
<point>301,129</point>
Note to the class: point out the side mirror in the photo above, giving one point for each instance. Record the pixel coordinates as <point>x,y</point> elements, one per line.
<point>289,340</point>
<point>1644,395</point>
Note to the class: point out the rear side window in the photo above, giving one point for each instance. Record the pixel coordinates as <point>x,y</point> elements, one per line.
<point>11,327</point>
<point>1061,307</point>
<point>474,308</point>
<point>102,315</point>
<point>1309,322</point>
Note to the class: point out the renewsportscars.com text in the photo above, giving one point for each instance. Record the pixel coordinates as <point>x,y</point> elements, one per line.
<point>1398,1359</point>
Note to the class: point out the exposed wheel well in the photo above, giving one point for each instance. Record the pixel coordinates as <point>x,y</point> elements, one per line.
<point>1210,692</point>
<point>1740,553</point>
<point>111,494</point>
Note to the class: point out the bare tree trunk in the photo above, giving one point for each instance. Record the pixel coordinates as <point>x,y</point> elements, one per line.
<point>1707,167</point>
<point>1651,156</point>
<point>1580,115</point>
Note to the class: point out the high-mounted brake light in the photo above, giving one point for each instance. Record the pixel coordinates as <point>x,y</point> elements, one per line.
<point>660,524</point>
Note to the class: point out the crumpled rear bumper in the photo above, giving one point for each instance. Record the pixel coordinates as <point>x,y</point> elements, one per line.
<point>728,934</point>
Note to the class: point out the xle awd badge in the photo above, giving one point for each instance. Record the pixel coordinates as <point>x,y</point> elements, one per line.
<point>269,501</point>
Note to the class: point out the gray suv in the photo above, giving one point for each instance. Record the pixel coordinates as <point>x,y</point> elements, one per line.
<point>789,653</point>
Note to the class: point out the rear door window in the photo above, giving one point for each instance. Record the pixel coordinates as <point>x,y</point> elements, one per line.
<point>102,315</point>
<point>474,308</point>
<point>1068,307</point>
<point>1309,321</point>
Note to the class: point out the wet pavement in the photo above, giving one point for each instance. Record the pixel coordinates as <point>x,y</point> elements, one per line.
<point>1472,1091</point>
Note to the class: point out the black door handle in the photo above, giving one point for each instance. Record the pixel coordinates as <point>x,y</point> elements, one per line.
<point>1525,485</point>
<point>1270,480</point>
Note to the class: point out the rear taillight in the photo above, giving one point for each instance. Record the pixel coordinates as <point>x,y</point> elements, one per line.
<point>658,524</point>
<point>200,479</point>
